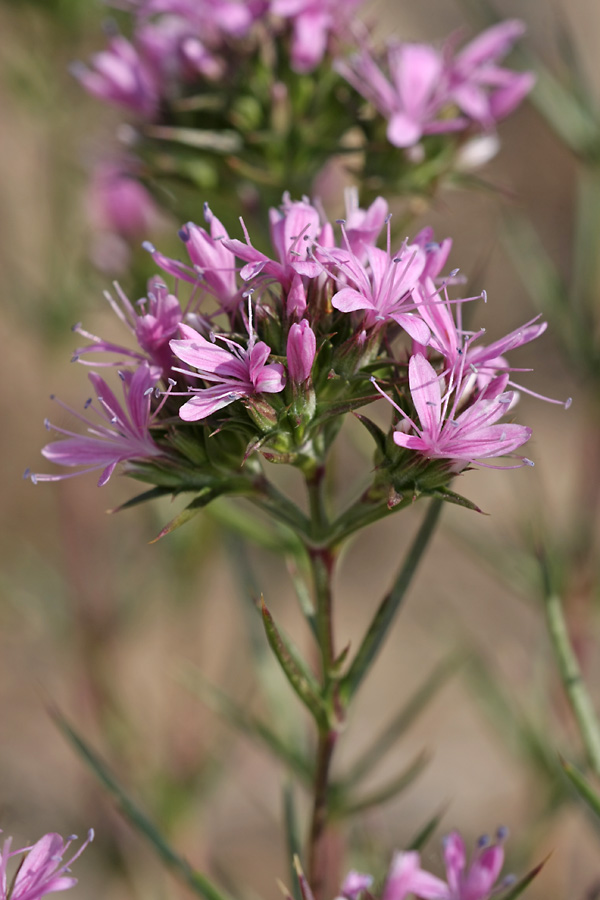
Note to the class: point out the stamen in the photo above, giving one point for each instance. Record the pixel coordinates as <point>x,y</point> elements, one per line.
<point>148,247</point>
<point>483,841</point>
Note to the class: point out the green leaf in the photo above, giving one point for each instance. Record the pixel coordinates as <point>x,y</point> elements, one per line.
<point>422,836</point>
<point>452,497</point>
<point>152,494</point>
<point>346,807</point>
<point>389,606</point>
<point>402,720</point>
<point>246,723</point>
<point>518,888</point>
<point>205,496</point>
<point>292,835</point>
<point>198,882</point>
<point>582,786</point>
<point>295,669</point>
<point>378,435</point>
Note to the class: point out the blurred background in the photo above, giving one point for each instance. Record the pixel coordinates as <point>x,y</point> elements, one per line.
<point>112,630</point>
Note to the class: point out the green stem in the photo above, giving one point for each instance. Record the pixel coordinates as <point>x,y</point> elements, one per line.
<point>322,562</point>
<point>573,683</point>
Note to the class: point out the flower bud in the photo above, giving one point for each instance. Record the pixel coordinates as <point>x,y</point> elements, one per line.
<point>301,349</point>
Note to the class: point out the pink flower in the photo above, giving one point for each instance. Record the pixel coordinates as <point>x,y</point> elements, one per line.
<point>412,99</point>
<point>382,287</point>
<point>212,262</point>
<point>301,349</point>
<point>294,230</point>
<point>406,877</point>
<point>153,324</point>
<point>123,435</point>
<point>42,871</point>
<point>235,370</point>
<point>119,75</point>
<point>362,226</point>
<point>313,22</point>
<point>469,436</point>
<point>478,882</point>
<point>483,90</point>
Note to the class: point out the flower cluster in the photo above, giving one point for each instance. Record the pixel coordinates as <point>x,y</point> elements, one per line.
<point>272,90</point>
<point>272,349</point>
<point>42,870</point>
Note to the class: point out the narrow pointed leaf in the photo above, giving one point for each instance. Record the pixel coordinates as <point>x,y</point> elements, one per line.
<point>458,500</point>
<point>378,435</point>
<point>403,720</point>
<point>390,605</point>
<point>422,836</point>
<point>191,510</point>
<point>214,141</point>
<point>246,723</point>
<point>521,885</point>
<point>582,786</point>
<point>295,669</point>
<point>198,882</point>
<point>292,836</point>
<point>384,794</point>
<point>152,494</point>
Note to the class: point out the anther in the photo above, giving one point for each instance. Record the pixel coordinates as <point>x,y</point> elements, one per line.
<point>27,473</point>
<point>47,425</point>
<point>76,326</point>
<point>157,392</point>
<point>87,403</point>
<point>528,462</point>
<point>114,420</point>
<point>484,296</point>
<point>172,382</point>
<point>502,833</point>
<point>454,272</point>
<point>340,221</point>
<point>148,391</point>
<point>121,375</point>
<point>148,247</point>
<point>75,357</point>
<point>568,402</point>
<point>184,234</point>
<point>52,396</point>
<point>483,841</point>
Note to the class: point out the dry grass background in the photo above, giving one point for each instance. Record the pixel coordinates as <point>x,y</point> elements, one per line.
<point>98,621</point>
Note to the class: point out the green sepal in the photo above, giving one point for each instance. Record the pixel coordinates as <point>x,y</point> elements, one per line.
<point>247,724</point>
<point>198,882</point>
<point>295,669</point>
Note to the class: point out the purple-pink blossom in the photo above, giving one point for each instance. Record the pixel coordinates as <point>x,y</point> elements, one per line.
<point>484,91</point>
<point>212,261</point>
<point>120,75</point>
<point>123,432</point>
<point>42,870</point>
<point>313,21</point>
<point>475,882</point>
<point>445,433</point>
<point>426,85</point>
<point>295,228</point>
<point>153,321</point>
<point>236,371</point>
<point>382,287</point>
<point>301,349</point>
